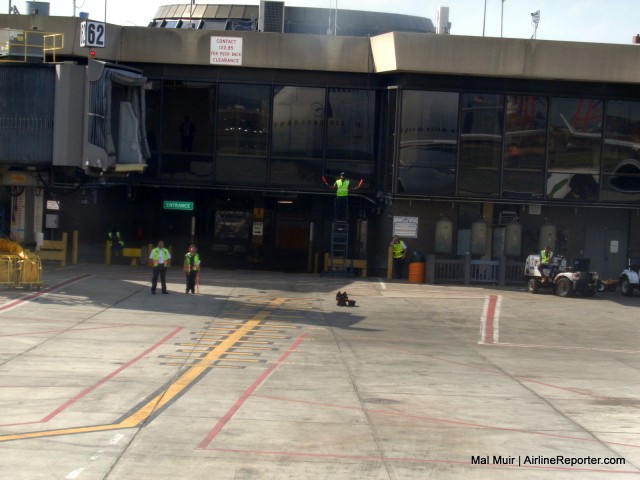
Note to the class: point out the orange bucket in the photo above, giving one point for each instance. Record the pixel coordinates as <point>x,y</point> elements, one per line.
<point>417,272</point>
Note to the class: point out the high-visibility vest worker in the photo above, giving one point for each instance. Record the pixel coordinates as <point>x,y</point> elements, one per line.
<point>115,238</point>
<point>546,256</point>
<point>158,254</point>
<point>191,262</point>
<point>342,184</point>
<point>398,249</point>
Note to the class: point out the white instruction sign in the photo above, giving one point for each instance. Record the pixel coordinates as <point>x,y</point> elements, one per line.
<point>405,227</point>
<point>613,248</point>
<point>225,51</point>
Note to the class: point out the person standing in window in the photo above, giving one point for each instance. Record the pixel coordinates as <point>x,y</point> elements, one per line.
<point>187,132</point>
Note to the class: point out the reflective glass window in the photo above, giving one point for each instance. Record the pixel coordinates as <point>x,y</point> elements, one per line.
<point>153,103</point>
<point>573,185</point>
<point>242,129</point>
<point>350,120</point>
<point>575,135</point>
<point>622,152</point>
<point>186,142</point>
<point>428,143</point>
<point>480,144</point>
<point>525,146</point>
<point>297,136</point>
<point>298,122</point>
<point>242,123</point>
<point>241,170</point>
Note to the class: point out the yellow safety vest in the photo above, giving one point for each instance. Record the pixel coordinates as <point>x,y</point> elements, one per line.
<point>544,258</point>
<point>343,187</point>
<point>155,255</point>
<point>398,250</point>
<point>188,265</point>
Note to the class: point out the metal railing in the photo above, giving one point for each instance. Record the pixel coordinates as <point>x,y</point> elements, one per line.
<point>484,271</point>
<point>23,45</point>
<point>448,271</point>
<point>470,271</point>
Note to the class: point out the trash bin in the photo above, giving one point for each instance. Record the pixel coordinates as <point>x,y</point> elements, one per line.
<point>417,272</point>
<point>417,257</point>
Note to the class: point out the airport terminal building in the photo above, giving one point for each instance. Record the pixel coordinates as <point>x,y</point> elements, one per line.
<point>217,123</point>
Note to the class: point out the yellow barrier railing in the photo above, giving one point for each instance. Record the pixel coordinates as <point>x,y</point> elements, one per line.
<point>21,45</point>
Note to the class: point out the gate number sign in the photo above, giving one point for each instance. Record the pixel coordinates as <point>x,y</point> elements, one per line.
<point>93,34</point>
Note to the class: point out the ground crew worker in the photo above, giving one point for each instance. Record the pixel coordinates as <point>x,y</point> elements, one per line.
<point>115,242</point>
<point>159,259</point>
<point>191,268</point>
<point>546,261</point>
<point>341,186</point>
<point>399,254</point>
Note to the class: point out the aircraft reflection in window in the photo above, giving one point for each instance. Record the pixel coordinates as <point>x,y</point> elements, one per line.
<point>626,178</point>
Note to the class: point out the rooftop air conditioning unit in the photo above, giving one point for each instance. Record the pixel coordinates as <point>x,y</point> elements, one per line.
<point>38,8</point>
<point>271,17</point>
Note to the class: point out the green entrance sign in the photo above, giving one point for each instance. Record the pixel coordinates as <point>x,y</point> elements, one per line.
<point>175,205</point>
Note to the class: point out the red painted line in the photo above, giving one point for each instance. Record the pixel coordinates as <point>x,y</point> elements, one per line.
<point>44,291</point>
<point>489,371</point>
<point>488,326</point>
<point>70,330</point>
<point>450,421</point>
<point>88,390</point>
<point>419,460</point>
<point>566,347</point>
<point>243,398</point>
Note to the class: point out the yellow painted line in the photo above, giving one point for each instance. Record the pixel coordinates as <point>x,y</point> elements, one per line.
<point>212,366</point>
<point>255,348</point>
<point>226,329</point>
<point>181,356</point>
<point>176,388</point>
<point>159,401</point>
<point>241,353</point>
<point>269,336</point>
<point>278,326</point>
<point>238,360</point>
<point>66,431</point>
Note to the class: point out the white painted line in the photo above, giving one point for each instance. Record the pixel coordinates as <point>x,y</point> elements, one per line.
<point>383,285</point>
<point>116,439</point>
<point>75,474</point>
<point>96,455</point>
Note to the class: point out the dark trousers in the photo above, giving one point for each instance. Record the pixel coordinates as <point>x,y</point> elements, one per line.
<point>341,213</point>
<point>191,281</point>
<point>159,271</point>
<point>398,265</point>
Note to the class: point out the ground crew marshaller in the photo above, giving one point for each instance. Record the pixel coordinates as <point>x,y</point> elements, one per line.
<point>341,186</point>
<point>159,259</point>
